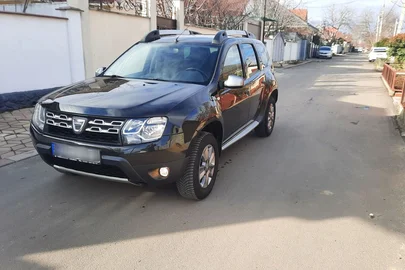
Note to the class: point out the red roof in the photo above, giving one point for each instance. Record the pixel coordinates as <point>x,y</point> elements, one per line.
<point>302,13</point>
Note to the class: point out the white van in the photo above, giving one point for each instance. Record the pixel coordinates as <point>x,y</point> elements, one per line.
<point>377,52</point>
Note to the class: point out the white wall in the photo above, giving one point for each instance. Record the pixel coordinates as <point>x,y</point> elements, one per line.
<point>37,8</point>
<point>291,51</point>
<point>109,35</point>
<point>34,53</point>
<point>270,47</point>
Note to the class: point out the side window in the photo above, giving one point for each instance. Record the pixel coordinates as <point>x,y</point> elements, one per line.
<point>263,55</point>
<point>232,64</point>
<point>249,57</point>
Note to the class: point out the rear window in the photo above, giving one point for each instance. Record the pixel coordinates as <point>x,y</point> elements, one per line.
<point>325,49</point>
<point>380,50</point>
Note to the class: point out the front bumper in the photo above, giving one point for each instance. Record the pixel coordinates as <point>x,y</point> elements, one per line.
<point>325,56</point>
<point>136,164</point>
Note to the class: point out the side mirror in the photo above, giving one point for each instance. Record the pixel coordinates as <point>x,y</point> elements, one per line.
<point>234,82</point>
<point>100,71</point>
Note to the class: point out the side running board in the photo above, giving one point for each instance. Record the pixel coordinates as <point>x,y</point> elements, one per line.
<point>242,132</point>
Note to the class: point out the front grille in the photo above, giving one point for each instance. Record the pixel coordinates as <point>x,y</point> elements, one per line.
<point>106,170</point>
<point>86,129</point>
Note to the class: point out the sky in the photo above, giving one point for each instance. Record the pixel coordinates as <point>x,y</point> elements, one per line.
<point>316,8</point>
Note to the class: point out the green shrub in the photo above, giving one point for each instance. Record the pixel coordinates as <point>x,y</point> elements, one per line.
<point>397,48</point>
<point>379,64</point>
<point>385,42</point>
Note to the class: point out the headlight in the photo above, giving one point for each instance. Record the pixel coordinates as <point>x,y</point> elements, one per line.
<point>38,119</point>
<point>142,131</point>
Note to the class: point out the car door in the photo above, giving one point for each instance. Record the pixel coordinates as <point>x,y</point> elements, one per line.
<point>234,101</point>
<point>255,78</point>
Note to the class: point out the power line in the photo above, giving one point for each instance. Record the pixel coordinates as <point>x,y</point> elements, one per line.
<point>328,5</point>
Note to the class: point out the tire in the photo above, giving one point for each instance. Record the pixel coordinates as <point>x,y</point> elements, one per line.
<point>264,129</point>
<point>191,185</point>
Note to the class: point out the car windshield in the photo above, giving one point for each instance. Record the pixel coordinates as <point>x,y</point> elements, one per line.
<point>325,49</point>
<point>177,62</point>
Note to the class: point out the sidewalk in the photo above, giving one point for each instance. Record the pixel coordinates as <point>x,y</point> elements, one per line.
<point>15,142</point>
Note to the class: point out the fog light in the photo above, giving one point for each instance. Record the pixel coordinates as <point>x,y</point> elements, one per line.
<point>164,171</point>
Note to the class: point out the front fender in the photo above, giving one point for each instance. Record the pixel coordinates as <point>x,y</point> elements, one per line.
<point>200,117</point>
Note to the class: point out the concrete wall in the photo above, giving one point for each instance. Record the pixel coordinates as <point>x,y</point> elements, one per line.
<point>36,52</point>
<point>109,35</point>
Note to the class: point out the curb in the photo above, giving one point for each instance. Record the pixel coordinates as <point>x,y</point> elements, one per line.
<point>16,158</point>
<point>297,65</point>
<point>390,92</point>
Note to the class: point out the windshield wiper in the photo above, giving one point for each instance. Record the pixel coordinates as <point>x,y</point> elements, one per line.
<point>115,76</point>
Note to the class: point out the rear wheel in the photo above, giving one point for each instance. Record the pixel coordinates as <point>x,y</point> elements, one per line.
<point>201,170</point>
<point>265,128</point>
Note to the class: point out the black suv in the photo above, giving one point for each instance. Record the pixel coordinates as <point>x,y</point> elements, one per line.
<point>162,112</point>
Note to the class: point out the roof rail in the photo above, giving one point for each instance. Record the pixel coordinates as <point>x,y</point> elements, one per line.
<point>224,34</point>
<point>157,34</point>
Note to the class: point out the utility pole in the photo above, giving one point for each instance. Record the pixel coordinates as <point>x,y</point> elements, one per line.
<point>264,19</point>
<point>381,21</point>
<point>401,20</point>
<point>396,27</point>
<point>377,32</point>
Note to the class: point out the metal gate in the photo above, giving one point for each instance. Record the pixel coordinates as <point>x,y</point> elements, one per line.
<point>165,23</point>
<point>255,29</point>
<point>303,50</point>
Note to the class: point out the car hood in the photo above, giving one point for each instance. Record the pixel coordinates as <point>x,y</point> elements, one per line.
<point>105,96</point>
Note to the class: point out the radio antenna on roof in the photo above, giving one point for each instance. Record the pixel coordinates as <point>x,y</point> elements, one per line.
<point>177,38</point>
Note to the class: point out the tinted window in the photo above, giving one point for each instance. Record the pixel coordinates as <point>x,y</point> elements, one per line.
<point>249,57</point>
<point>180,62</point>
<point>232,64</point>
<point>325,49</point>
<point>263,55</point>
<point>380,50</point>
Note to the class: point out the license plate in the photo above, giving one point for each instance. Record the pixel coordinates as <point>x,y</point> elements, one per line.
<point>76,153</point>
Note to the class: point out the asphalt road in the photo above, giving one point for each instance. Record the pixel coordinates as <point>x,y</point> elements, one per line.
<point>300,199</point>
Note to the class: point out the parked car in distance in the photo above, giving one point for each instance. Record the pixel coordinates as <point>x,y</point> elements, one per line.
<point>377,53</point>
<point>325,52</point>
<point>162,112</point>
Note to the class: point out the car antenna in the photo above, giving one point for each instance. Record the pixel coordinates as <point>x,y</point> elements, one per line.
<point>177,38</point>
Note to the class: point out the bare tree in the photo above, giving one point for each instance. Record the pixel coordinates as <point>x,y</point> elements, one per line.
<point>365,28</point>
<point>339,18</point>
<point>279,12</point>
<point>220,14</point>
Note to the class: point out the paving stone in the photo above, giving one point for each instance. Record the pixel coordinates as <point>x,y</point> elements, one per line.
<point>4,150</point>
<point>10,137</point>
<point>20,130</point>
<point>6,131</point>
<point>18,147</point>
<point>28,140</point>
<point>2,143</point>
<point>22,136</point>
<point>4,162</point>
<point>8,155</point>
<point>25,155</point>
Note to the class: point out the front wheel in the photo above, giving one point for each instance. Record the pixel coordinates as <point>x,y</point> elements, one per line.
<point>265,128</point>
<point>201,169</point>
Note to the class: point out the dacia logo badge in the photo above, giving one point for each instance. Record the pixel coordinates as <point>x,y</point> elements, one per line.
<point>78,124</point>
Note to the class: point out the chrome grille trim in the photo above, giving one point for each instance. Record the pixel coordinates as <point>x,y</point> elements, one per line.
<point>58,124</point>
<point>58,117</point>
<point>100,130</point>
<point>100,122</point>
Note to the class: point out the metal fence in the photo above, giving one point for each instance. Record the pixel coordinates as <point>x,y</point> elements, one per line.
<point>135,7</point>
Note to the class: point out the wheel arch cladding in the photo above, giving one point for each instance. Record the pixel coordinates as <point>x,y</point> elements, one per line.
<point>274,95</point>
<point>216,129</point>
